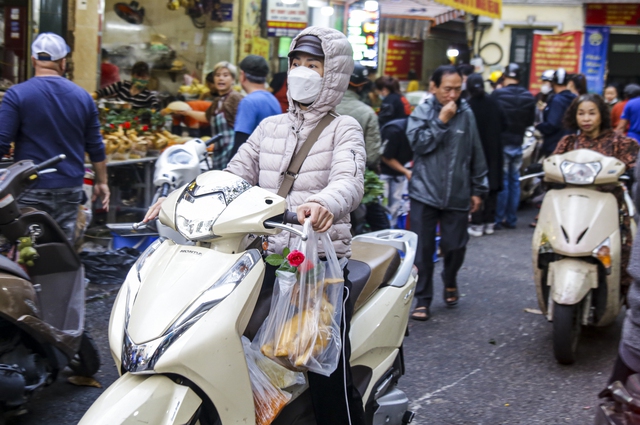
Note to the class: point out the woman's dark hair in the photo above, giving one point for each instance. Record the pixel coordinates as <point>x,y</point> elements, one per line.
<point>209,78</point>
<point>580,83</point>
<point>140,69</point>
<point>615,87</point>
<point>570,120</point>
<point>412,75</point>
<point>443,70</point>
<point>388,83</point>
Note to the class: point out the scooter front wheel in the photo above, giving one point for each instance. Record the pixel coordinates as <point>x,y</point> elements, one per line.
<point>566,331</point>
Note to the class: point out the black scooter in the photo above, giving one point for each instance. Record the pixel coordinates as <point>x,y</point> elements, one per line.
<point>41,309</point>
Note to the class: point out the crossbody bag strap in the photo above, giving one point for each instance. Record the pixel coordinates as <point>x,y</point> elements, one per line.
<point>296,162</point>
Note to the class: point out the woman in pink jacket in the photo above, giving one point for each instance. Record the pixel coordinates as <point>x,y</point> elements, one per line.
<point>330,183</point>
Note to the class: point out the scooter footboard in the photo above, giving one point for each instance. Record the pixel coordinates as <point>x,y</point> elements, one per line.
<point>149,399</point>
<point>571,280</point>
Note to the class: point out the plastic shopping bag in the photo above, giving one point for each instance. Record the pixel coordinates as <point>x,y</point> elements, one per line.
<point>267,398</point>
<point>302,331</point>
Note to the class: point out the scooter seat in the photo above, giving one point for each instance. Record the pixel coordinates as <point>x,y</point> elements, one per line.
<point>371,266</point>
<point>8,266</point>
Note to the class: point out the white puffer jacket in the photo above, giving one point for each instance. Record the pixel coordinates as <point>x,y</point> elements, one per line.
<point>333,173</point>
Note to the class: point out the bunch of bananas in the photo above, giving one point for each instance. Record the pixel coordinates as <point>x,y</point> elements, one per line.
<point>194,89</point>
<point>176,4</point>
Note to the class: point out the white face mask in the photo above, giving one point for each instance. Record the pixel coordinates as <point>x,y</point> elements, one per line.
<point>304,84</point>
<point>546,89</point>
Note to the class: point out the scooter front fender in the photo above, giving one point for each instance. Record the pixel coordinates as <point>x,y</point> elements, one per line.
<point>571,280</point>
<point>143,399</point>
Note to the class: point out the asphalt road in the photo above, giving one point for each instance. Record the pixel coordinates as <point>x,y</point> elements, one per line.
<point>486,361</point>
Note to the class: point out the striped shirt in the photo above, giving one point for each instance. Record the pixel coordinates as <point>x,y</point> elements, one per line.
<point>122,91</point>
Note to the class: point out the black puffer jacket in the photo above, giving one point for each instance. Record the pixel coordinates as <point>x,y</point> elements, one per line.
<point>551,126</point>
<point>519,107</point>
<point>449,165</point>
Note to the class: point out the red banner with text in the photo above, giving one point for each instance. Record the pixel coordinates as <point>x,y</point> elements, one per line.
<point>553,51</point>
<point>604,14</point>
<point>403,55</point>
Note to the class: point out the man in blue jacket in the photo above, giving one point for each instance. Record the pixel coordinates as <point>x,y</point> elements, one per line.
<point>551,125</point>
<point>49,115</point>
<point>519,106</point>
<point>448,180</point>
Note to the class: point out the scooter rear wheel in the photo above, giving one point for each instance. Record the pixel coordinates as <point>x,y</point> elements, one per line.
<point>566,331</point>
<point>87,360</point>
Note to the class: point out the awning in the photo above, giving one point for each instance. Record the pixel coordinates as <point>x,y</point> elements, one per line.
<point>413,19</point>
<point>490,8</point>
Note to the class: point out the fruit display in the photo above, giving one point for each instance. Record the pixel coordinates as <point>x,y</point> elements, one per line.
<point>132,134</point>
<point>195,89</point>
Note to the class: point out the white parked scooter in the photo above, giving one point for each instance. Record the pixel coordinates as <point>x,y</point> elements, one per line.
<point>176,166</point>
<point>176,325</point>
<point>531,153</point>
<point>577,247</point>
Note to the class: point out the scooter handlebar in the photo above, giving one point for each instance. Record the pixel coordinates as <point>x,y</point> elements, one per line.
<point>290,217</point>
<point>52,161</point>
<point>213,140</point>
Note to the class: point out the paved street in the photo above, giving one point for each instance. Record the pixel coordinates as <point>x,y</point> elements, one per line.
<point>485,362</point>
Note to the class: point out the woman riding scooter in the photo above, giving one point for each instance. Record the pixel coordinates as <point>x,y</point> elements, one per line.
<point>589,115</point>
<point>328,186</point>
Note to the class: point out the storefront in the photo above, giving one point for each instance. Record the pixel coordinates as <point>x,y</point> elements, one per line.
<point>620,24</point>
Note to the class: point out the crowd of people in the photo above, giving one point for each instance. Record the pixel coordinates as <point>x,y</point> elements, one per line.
<point>463,143</point>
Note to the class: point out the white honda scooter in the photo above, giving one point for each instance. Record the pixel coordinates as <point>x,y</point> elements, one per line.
<point>176,325</point>
<point>577,246</point>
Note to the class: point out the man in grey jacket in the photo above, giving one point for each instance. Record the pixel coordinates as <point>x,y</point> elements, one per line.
<point>352,106</point>
<point>448,180</point>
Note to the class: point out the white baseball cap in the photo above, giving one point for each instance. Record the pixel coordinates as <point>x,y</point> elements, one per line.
<point>51,44</point>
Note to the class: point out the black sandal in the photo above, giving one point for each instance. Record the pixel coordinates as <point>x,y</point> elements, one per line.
<point>417,314</point>
<point>451,295</point>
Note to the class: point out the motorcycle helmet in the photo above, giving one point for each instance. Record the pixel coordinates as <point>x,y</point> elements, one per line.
<point>359,76</point>
<point>495,76</point>
<point>547,75</point>
<point>513,71</point>
<point>560,77</point>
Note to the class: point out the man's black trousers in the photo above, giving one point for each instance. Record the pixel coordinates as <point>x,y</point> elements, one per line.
<point>453,242</point>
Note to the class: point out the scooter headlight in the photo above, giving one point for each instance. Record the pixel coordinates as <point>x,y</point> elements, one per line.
<point>143,357</point>
<point>575,173</point>
<point>603,254</point>
<point>195,215</point>
<point>545,245</point>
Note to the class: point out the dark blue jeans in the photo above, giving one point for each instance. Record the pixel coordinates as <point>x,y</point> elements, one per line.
<point>61,204</point>
<point>509,197</point>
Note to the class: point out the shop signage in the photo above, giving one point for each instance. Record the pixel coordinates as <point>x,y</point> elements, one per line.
<point>363,32</point>
<point>553,51</point>
<point>594,57</point>
<point>490,8</point>
<point>222,12</point>
<point>260,47</point>
<point>616,14</point>
<point>286,20</point>
<point>403,55</point>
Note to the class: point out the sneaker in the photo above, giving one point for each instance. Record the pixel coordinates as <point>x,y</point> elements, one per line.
<point>476,230</point>
<point>488,228</point>
<point>508,226</point>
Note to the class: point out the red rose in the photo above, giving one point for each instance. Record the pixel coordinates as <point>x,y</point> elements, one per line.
<point>295,258</point>
<point>145,127</point>
<point>127,125</point>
